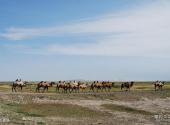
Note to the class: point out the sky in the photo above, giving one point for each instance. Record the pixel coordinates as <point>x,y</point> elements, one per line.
<point>118,40</point>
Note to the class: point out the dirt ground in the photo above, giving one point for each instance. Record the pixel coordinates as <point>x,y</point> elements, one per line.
<point>118,108</point>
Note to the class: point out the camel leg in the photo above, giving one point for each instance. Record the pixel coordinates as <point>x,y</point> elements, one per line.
<point>155,87</point>
<point>58,89</point>
<point>47,88</point>
<point>106,89</point>
<point>21,88</point>
<point>77,90</point>
<point>36,89</point>
<point>109,89</point>
<point>67,90</point>
<point>15,89</point>
<point>101,88</point>
<point>122,86</point>
<point>91,88</point>
<point>12,88</point>
<point>160,88</point>
<point>43,89</point>
<point>63,90</point>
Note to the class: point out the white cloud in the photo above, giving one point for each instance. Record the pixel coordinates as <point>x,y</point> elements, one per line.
<point>137,32</point>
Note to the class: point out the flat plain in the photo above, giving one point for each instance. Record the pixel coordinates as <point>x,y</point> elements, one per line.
<point>142,105</point>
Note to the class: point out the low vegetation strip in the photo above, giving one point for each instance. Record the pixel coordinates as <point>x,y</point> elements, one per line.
<point>60,110</point>
<point>121,108</point>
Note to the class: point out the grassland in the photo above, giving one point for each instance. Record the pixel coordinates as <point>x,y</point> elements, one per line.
<point>118,107</point>
<point>6,86</point>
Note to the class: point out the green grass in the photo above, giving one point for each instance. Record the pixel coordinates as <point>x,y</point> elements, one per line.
<point>40,123</point>
<point>60,110</point>
<point>121,108</point>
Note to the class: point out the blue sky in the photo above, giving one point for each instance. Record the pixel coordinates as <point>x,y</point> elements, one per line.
<point>84,39</point>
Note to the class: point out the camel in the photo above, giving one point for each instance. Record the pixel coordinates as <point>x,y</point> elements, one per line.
<point>62,85</point>
<point>18,83</point>
<point>107,85</point>
<point>96,84</point>
<point>127,85</point>
<point>159,85</point>
<point>44,85</point>
<point>74,86</point>
<point>82,87</point>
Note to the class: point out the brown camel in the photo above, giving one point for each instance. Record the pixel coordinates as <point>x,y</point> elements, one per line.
<point>45,85</point>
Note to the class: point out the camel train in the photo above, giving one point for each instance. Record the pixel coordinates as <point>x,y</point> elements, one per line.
<point>74,86</point>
